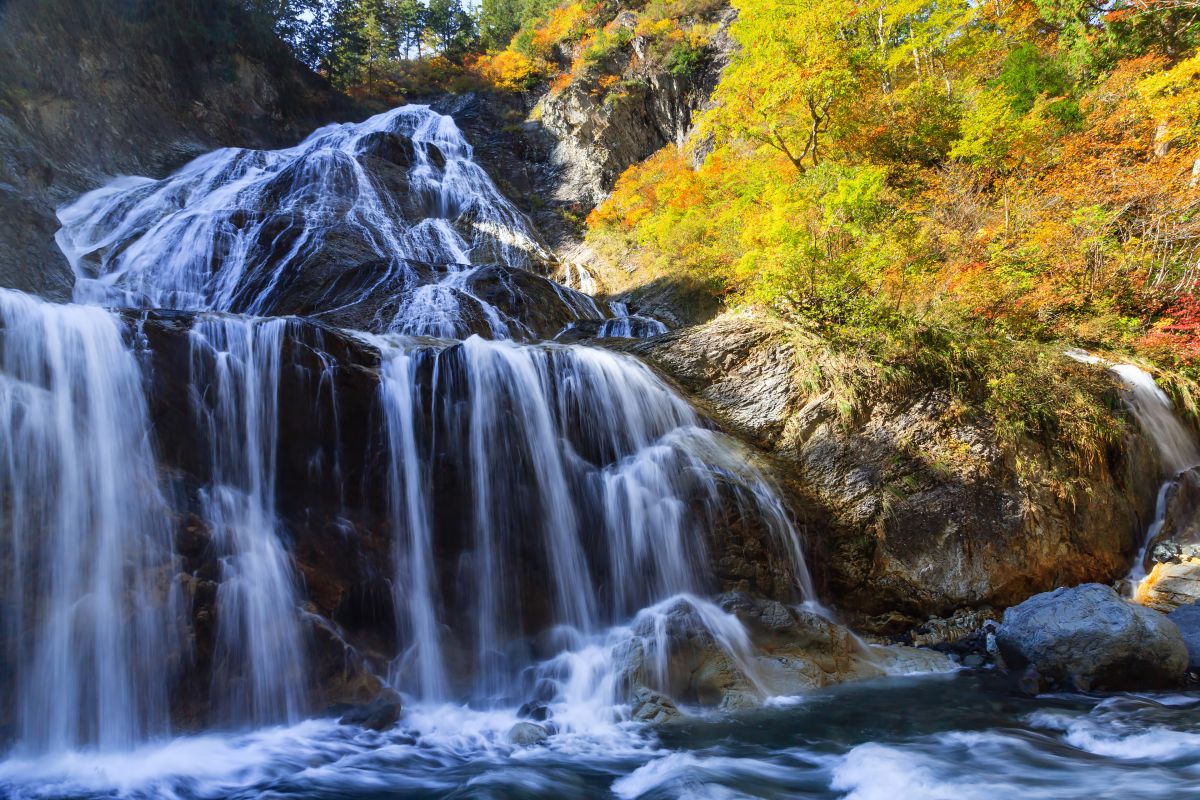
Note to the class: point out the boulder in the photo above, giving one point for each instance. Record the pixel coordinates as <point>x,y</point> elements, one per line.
<point>527,734</point>
<point>1187,619</point>
<point>735,656</point>
<point>538,712</point>
<point>380,714</point>
<point>1171,584</point>
<point>1089,638</point>
<point>653,708</point>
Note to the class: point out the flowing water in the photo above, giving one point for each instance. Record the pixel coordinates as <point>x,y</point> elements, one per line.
<point>548,511</point>
<point>88,612</point>
<point>957,737</point>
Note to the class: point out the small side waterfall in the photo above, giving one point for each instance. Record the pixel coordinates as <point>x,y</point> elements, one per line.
<point>259,673</point>
<point>89,608</point>
<point>1176,445</point>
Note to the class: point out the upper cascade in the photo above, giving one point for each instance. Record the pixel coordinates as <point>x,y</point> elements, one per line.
<point>384,225</point>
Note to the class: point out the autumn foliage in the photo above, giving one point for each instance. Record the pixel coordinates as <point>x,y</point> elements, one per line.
<point>1012,169</point>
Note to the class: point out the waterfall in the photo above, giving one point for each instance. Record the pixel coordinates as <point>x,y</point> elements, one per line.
<point>1175,444</point>
<point>526,500</point>
<point>259,668</point>
<point>89,611</point>
<point>578,471</point>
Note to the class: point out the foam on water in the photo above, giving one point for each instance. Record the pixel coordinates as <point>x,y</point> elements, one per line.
<point>846,743</point>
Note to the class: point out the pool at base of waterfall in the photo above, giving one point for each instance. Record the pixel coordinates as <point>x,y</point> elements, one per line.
<point>960,735</point>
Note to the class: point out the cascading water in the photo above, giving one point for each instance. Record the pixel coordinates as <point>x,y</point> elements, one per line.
<point>259,671</point>
<point>242,230</point>
<point>89,609</point>
<point>1176,446</point>
<point>588,477</point>
<point>539,497</point>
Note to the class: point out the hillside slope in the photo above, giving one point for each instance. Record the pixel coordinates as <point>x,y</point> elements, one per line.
<point>131,87</point>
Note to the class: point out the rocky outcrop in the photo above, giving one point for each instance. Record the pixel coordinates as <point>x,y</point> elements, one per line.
<point>690,653</point>
<point>1089,638</point>
<point>130,99</point>
<point>1172,583</point>
<point>919,511</point>
<point>601,133</point>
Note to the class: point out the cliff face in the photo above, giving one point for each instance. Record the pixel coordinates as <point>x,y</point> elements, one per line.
<point>598,134</point>
<point>91,89</point>
<point>921,512</point>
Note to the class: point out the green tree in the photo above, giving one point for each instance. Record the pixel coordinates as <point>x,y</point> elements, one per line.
<point>449,27</point>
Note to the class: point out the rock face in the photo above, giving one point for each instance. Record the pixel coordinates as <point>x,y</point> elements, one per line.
<point>126,101</point>
<point>1089,638</point>
<point>1187,619</point>
<point>915,509</point>
<point>598,134</point>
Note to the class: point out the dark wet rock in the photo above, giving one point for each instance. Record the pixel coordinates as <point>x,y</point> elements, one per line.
<point>539,306</point>
<point>1089,638</point>
<point>913,508</point>
<point>389,146</point>
<point>527,734</point>
<point>1187,619</point>
<point>538,712</point>
<point>380,714</point>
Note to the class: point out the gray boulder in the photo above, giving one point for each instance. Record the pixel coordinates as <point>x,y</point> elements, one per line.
<point>1089,638</point>
<point>527,734</point>
<point>1187,619</point>
<point>653,708</point>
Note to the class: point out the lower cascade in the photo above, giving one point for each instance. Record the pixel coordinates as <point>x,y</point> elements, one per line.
<point>323,488</point>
